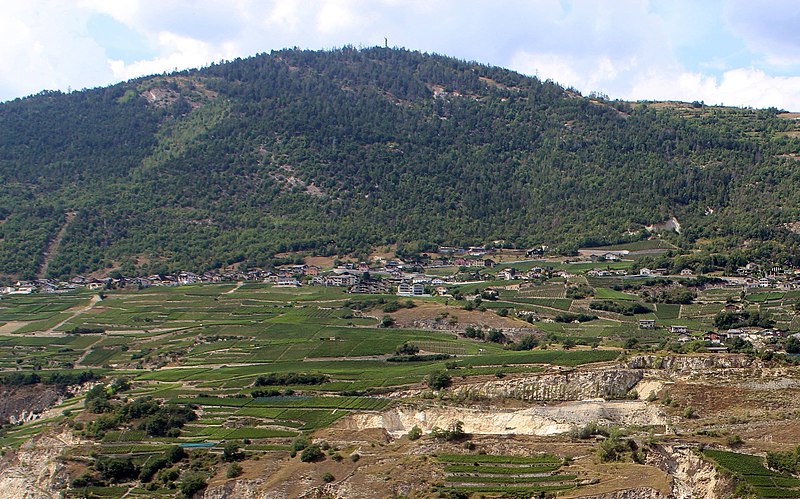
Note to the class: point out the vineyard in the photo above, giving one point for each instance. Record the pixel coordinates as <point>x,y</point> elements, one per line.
<point>764,482</point>
<point>504,474</point>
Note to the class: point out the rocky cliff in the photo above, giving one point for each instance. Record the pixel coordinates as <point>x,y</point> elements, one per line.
<point>693,362</point>
<point>24,403</point>
<point>538,420</point>
<point>575,385</point>
<point>692,477</point>
<point>34,471</point>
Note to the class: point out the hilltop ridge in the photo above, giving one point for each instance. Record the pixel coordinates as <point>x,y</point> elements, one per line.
<point>342,151</point>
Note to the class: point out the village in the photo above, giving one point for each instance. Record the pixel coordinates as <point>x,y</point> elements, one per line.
<point>450,270</point>
<point>410,278</point>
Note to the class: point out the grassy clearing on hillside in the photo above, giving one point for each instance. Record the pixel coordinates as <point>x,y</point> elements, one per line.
<point>611,294</point>
<point>667,311</point>
<point>647,244</point>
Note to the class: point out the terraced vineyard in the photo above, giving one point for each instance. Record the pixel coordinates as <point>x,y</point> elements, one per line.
<point>263,368</point>
<point>764,482</point>
<point>206,345</point>
<point>545,291</point>
<point>468,473</point>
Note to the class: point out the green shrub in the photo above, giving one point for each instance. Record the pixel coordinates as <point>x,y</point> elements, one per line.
<point>299,443</point>
<point>192,483</point>
<point>234,470</point>
<point>438,380</point>
<point>311,453</point>
<point>117,469</point>
<point>231,452</point>
<point>734,440</point>
<point>414,433</point>
<point>406,349</point>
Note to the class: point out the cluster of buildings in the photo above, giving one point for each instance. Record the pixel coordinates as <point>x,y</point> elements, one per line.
<point>392,277</point>
<point>757,336</point>
<point>176,279</point>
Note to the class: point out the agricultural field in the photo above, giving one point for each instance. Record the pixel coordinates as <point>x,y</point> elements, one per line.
<point>763,481</point>
<point>207,345</point>
<point>644,245</point>
<point>264,368</point>
<point>504,474</point>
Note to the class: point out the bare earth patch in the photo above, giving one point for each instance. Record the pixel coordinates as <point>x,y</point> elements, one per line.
<point>11,326</point>
<point>426,314</point>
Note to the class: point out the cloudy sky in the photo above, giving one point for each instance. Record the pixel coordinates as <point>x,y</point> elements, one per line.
<point>732,52</point>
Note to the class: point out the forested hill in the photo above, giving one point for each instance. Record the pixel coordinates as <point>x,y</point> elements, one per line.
<point>344,150</point>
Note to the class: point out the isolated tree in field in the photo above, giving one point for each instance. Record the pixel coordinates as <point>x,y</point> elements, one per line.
<point>438,380</point>
<point>407,349</point>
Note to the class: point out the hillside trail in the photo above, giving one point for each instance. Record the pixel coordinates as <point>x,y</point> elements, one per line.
<point>86,353</point>
<point>52,247</point>
<point>76,311</point>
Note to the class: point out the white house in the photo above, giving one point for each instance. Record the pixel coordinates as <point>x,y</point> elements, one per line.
<point>647,324</point>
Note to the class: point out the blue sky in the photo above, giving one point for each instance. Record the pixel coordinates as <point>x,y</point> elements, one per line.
<point>733,52</point>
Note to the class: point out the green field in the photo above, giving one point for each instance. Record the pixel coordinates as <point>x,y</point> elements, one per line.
<point>506,474</point>
<point>208,345</point>
<point>765,482</point>
<point>647,244</point>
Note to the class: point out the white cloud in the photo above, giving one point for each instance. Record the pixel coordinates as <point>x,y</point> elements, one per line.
<point>45,46</point>
<point>771,28</point>
<point>336,16</point>
<point>554,67</point>
<point>287,14</point>
<point>747,87</point>
<point>179,52</point>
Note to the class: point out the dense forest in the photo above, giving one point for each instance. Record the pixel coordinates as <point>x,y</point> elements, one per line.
<point>341,151</point>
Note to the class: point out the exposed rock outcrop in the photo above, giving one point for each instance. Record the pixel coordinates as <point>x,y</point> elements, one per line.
<point>538,420</point>
<point>34,471</point>
<point>637,493</point>
<point>237,488</point>
<point>692,477</point>
<point>574,385</point>
<point>693,362</point>
<point>26,402</point>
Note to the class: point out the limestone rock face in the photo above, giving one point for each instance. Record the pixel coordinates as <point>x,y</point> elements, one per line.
<point>576,385</point>
<point>690,362</point>
<point>236,488</point>
<point>692,477</point>
<point>637,493</point>
<point>539,420</point>
<point>33,471</point>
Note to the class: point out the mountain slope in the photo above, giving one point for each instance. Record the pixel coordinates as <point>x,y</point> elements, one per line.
<point>340,151</point>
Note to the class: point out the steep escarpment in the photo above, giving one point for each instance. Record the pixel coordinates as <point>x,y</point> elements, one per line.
<point>236,488</point>
<point>575,385</point>
<point>692,477</point>
<point>539,420</point>
<point>26,402</point>
<point>34,470</point>
<point>635,493</point>
<point>693,362</point>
